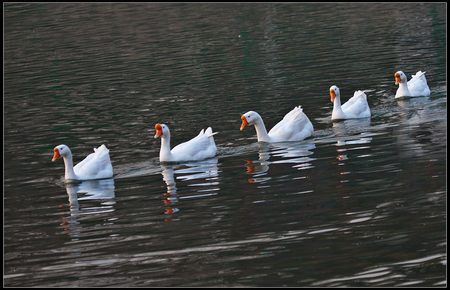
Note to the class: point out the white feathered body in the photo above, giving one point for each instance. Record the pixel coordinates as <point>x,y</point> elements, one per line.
<point>417,86</point>
<point>96,165</point>
<point>356,107</point>
<point>198,148</point>
<point>295,126</point>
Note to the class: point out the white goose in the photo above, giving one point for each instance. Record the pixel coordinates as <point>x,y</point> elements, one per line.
<point>295,126</point>
<point>96,165</point>
<point>356,107</point>
<point>198,148</point>
<point>416,87</point>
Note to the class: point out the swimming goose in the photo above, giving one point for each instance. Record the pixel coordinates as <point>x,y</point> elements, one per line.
<point>416,87</point>
<point>355,107</point>
<point>295,126</point>
<point>96,165</point>
<point>198,148</point>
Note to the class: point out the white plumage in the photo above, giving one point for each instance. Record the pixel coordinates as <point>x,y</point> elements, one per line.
<point>198,148</point>
<point>356,107</point>
<point>96,165</point>
<point>295,126</point>
<point>417,86</point>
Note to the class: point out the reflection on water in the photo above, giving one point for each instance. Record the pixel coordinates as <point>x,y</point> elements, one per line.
<point>350,132</point>
<point>351,126</point>
<point>418,119</point>
<point>90,197</point>
<point>170,197</point>
<point>202,178</point>
<point>293,153</point>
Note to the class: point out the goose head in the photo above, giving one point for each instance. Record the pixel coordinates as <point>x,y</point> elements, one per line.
<point>334,92</point>
<point>400,77</point>
<point>60,151</point>
<point>161,130</point>
<point>249,118</point>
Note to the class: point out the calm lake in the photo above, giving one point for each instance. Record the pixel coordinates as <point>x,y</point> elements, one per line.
<point>361,203</point>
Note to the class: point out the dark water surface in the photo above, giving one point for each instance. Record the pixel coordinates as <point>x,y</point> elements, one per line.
<point>362,203</point>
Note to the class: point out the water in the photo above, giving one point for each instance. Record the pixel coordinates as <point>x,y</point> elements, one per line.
<point>362,203</point>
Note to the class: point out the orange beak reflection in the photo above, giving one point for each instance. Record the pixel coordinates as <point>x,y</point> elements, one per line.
<point>332,95</point>
<point>244,122</point>
<point>397,78</point>
<point>249,166</point>
<point>56,154</point>
<point>159,131</point>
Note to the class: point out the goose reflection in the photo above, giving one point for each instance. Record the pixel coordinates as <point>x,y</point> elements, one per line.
<point>352,138</point>
<point>350,132</point>
<point>351,127</point>
<point>202,176</point>
<point>420,120</point>
<point>170,197</point>
<point>295,153</point>
<point>97,195</point>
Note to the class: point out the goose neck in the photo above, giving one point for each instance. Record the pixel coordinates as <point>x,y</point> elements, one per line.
<point>165,154</point>
<point>403,86</point>
<point>337,109</point>
<point>261,131</point>
<point>68,164</point>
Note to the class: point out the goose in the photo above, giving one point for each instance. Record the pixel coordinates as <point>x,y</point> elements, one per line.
<point>198,148</point>
<point>295,126</point>
<point>416,87</point>
<point>356,107</point>
<point>96,165</point>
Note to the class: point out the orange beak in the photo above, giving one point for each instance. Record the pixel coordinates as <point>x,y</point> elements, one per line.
<point>397,78</point>
<point>56,154</point>
<point>159,131</point>
<point>244,122</point>
<point>332,95</point>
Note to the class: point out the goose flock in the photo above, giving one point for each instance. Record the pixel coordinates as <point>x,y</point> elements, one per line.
<point>295,126</point>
